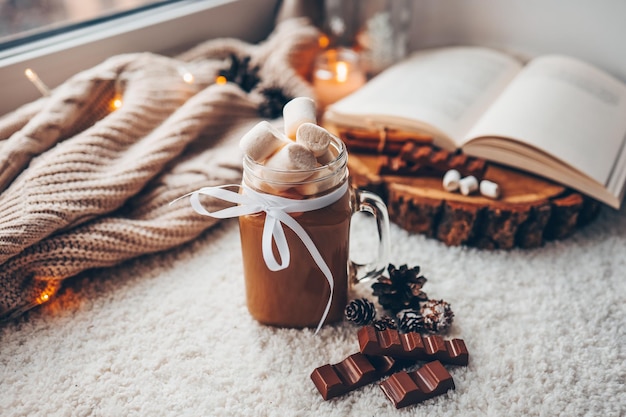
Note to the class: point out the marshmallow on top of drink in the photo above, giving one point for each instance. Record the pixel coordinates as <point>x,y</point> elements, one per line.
<point>291,155</point>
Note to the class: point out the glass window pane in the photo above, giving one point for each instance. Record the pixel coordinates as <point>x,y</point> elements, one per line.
<point>23,20</point>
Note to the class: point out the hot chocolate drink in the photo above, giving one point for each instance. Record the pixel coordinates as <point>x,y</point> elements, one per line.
<point>294,210</point>
<point>297,295</point>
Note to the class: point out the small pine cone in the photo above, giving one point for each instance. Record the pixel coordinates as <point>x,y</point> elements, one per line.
<point>411,321</point>
<point>274,99</point>
<point>384,323</point>
<point>438,315</point>
<point>360,311</point>
<point>240,72</point>
<point>402,290</point>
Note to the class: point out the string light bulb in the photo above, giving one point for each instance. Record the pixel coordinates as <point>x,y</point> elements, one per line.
<point>188,78</point>
<point>186,75</point>
<point>117,102</point>
<point>221,80</point>
<point>47,292</point>
<point>34,78</point>
<point>323,41</point>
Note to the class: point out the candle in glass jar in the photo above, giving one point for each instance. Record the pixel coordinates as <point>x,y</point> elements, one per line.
<point>337,73</point>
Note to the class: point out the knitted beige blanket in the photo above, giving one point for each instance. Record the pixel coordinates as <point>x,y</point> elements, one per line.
<point>85,185</point>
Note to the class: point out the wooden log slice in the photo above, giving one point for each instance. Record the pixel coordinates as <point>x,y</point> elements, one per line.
<point>529,211</point>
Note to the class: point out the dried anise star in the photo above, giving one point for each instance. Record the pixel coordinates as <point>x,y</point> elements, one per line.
<point>402,290</point>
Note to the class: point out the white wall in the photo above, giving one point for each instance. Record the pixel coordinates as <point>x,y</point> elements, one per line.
<point>593,30</point>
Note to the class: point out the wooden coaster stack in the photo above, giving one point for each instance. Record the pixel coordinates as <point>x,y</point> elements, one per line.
<point>409,176</point>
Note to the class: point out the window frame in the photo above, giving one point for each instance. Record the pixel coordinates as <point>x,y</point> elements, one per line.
<point>166,29</point>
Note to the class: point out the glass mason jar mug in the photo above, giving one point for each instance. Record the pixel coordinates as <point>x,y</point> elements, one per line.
<point>295,249</point>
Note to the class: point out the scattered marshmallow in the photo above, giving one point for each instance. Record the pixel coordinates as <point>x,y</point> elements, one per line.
<point>451,180</point>
<point>296,112</point>
<point>262,141</point>
<point>468,185</point>
<point>489,189</point>
<point>314,137</point>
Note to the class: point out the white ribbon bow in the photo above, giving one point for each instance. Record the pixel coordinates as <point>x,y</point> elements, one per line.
<point>276,214</point>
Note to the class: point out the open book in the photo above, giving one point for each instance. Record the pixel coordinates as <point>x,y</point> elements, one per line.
<point>556,116</point>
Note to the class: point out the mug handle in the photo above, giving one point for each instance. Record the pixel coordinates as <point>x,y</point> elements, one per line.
<point>371,203</point>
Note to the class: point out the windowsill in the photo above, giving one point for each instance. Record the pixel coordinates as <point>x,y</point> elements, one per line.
<point>168,29</point>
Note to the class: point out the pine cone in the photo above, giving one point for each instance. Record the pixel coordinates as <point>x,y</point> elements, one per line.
<point>361,311</point>
<point>411,321</point>
<point>384,323</point>
<point>438,315</point>
<point>274,101</point>
<point>240,73</point>
<point>402,290</point>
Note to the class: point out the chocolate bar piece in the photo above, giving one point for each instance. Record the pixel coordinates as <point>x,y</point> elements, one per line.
<point>353,372</point>
<point>412,345</point>
<point>407,388</point>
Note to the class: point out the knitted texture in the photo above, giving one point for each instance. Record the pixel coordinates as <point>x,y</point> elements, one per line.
<point>84,186</point>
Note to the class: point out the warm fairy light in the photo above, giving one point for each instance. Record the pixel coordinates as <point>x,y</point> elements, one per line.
<point>188,78</point>
<point>221,80</point>
<point>34,78</point>
<point>116,103</point>
<point>341,72</point>
<point>323,41</point>
<point>45,295</point>
<point>30,74</point>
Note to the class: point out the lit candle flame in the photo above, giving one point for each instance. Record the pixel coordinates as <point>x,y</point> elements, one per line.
<point>341,70</point>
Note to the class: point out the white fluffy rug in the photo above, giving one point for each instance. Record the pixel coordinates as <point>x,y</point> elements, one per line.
<point>169,335</point>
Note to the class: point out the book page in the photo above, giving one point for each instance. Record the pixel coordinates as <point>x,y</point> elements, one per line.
<point>566,109</point>
<point>442,91</point>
